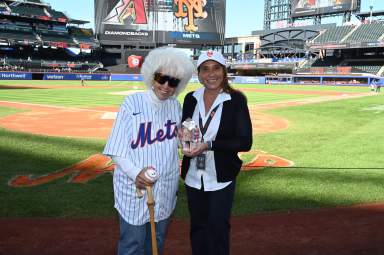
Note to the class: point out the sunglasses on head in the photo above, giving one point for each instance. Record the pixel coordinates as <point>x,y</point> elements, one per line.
<point>162,79</point>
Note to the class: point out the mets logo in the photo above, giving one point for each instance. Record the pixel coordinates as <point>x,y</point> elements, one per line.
<point>145,130</point>
<point>124,9</point>
<point>194,9</point>
<point>98,165</point>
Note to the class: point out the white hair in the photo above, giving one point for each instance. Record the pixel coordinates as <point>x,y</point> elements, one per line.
<point>169,61</point>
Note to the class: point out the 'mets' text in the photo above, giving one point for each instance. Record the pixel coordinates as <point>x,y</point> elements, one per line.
<point>145,130</point>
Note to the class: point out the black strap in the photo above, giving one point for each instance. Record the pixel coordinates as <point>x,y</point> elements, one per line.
<point>204,129</point>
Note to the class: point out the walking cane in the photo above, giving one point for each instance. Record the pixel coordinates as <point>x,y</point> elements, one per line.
<point>151,205</point>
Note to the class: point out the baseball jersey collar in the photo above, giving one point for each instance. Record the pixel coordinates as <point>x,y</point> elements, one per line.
<point>152,98</point>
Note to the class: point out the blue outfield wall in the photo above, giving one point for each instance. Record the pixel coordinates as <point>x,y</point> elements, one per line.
<point>194,79</point>
<point>292,79</point>
<point>249,79</point>
<point>238,79</point>
<point>53,76</point>
<point>15,76</point>
<point>71,76</point>
<point>126,77</point>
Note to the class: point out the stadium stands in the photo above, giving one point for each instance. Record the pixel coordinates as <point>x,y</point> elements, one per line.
<point>34,36</point>
<point>56,14</point>
<point>17,32</point>
<point>356,46</point>
<point>350,49</point>
<point>327,61</point>
<point>57,37</point>
<point>367,33</point>
<point>82,36</point>
<point>35,1</point>
<point>28,11</point>
<point>334,34</point>
<point>4,8</point>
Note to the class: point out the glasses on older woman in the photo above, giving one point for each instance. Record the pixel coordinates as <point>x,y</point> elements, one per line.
<point>162,79</point>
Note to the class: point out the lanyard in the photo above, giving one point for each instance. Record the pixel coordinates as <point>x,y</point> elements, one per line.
<point>204,129</point>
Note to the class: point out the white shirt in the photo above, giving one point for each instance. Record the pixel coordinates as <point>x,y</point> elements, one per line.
<point>193,178</point>
<point>145,134</point>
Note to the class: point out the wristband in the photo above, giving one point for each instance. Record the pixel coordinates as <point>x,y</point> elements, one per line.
<point>209,143</point>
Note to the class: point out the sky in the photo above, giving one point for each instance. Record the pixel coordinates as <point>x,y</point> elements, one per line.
<point>242,16</point>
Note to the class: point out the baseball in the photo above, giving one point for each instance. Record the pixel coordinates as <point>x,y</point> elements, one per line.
<point>151,174</point>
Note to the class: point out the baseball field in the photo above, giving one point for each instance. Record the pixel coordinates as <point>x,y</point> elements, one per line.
<point>315,171</point>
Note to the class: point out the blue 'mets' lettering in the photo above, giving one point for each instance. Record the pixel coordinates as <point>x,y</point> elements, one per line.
<point>144,134</point>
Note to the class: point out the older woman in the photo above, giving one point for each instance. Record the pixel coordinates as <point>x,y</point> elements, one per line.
<point>144,136</point>
<point>210,169</point>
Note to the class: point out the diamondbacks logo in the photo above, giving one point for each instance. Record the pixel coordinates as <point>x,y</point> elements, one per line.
<point>194,9</point>
<point>124,9</point>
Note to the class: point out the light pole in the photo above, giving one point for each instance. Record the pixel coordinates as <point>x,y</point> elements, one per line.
<point>370,13</point>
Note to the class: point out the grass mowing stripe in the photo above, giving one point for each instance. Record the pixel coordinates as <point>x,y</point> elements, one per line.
<point>102,96</point>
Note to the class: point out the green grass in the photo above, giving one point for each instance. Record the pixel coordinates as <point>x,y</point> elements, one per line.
<point>304,87</point>
<point>333,134</point>
<point>71,94</point>
<point>4,111</point>
<point>291,189</point>
<point>336,147</point>
<point>26,154</point>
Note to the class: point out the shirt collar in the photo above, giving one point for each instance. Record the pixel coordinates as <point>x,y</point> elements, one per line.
<point>199,95</point>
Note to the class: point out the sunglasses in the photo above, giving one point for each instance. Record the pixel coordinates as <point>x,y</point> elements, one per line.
<point>162,79</point>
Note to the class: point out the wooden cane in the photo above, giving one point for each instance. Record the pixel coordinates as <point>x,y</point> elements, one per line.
<point>151,205</point>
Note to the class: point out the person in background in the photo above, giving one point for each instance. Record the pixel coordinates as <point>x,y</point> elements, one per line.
<point>145,135</point>
<point>210,169</point>
<point>82,80</point>
<point>373,85</point>
<point>378,85</point>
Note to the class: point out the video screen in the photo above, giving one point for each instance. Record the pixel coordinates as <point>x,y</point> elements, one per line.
<point>302,8</point>
<point>161,21</point>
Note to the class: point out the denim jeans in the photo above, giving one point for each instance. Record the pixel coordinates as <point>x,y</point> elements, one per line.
<point>136,240</point>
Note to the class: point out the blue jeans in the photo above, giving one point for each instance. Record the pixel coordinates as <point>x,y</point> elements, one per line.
<point>136,240</point>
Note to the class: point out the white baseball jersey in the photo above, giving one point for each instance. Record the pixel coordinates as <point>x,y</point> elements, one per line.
<point>145,134</point>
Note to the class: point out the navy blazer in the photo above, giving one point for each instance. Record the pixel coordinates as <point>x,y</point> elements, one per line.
<point>234,135</point>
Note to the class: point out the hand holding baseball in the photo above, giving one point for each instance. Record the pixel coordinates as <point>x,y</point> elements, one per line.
<point>146,177</point>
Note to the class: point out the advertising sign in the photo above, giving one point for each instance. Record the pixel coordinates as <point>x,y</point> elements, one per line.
<point>15,76</point>
<point>161,21</point>
<point>302,8</point>
<point>72,76</point>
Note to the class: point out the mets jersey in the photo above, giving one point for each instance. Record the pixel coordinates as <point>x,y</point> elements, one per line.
<point>145,134</point>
